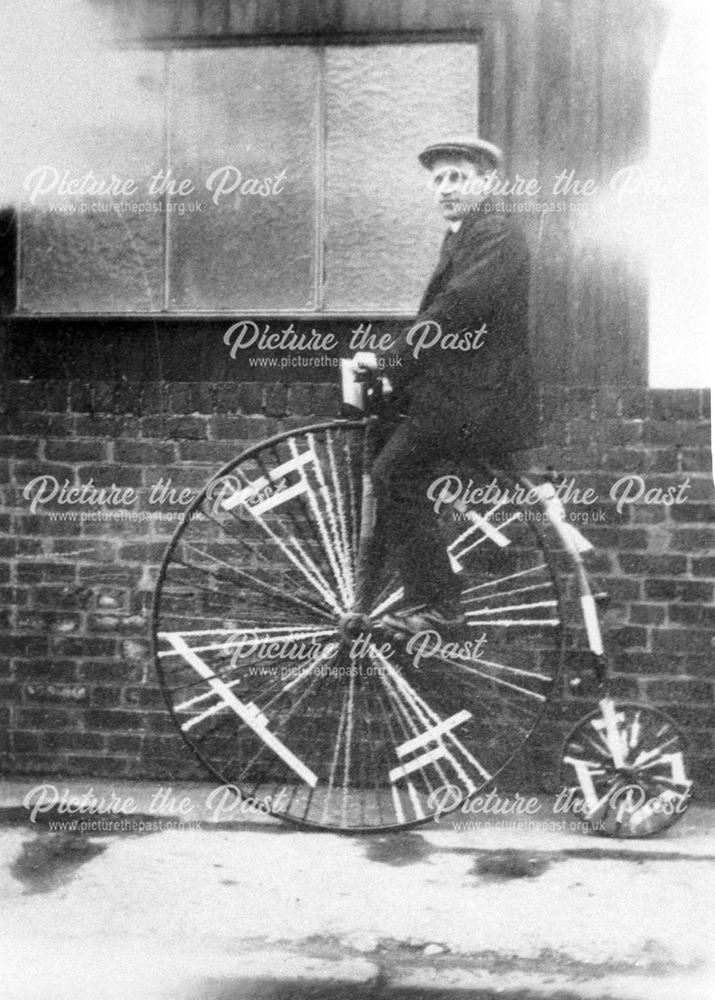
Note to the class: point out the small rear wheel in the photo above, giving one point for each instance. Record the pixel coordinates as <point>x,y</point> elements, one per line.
<point>623,768</point>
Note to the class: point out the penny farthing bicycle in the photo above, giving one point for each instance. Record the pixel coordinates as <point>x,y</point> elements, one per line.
<point>287,681</point>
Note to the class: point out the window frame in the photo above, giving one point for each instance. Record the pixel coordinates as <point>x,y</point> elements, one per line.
<point>490,42</point>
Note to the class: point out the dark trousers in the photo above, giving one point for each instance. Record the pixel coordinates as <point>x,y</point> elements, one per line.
<point>407,527</point>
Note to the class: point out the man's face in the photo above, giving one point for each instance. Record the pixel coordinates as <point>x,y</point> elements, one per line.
<point>459,185</point>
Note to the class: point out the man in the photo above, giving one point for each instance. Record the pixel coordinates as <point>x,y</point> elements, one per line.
<point>461,404</point>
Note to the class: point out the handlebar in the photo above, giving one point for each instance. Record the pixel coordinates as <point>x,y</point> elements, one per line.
<point>362,387</point>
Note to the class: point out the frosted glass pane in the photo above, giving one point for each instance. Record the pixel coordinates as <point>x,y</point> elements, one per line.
<point>384,104</point>
<point>253,110</point>
<point>84,251</point>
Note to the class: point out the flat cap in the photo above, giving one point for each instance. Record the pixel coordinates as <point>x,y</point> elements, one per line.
<point>470,148</point>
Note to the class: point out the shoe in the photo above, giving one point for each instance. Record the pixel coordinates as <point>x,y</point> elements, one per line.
<point>435,617</point>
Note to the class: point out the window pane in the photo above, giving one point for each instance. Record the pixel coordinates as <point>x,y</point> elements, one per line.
<point>253,110</point>
<point>384,104</point>
<point>88,252</point>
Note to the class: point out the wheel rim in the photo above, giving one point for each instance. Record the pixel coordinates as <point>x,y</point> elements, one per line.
<point>623,767</point>
<point>277,687</point>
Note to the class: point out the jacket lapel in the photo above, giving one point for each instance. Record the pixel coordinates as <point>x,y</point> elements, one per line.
<point>445,259</point>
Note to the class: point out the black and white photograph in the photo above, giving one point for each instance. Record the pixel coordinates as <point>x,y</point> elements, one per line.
<point>357,508</point>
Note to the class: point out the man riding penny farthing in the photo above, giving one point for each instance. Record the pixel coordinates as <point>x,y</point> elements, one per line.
<point>465,377</point>
<point>362,619</point>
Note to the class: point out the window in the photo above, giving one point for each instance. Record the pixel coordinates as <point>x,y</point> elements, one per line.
<point>262,179</point>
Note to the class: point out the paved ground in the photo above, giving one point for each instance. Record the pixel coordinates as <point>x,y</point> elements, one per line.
<point>247,908</point>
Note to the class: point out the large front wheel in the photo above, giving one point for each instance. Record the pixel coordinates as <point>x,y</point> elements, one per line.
<point>283,689</point>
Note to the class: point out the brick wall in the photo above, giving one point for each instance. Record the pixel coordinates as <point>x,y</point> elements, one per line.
<point>78,694</point>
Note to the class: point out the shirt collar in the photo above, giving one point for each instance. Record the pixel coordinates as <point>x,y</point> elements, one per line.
<point>456,225</point>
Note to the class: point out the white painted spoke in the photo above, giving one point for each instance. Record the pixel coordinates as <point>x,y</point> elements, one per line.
<point>323,525</point>
<point>346,549</point>
<point>517,622</point>
<point>395,597</point>
<point>247,712</point>
<point>503,579</point>
<point>506,593</point>
<point>431,715</point>
<point>512,607</point>
<point>490,677</point>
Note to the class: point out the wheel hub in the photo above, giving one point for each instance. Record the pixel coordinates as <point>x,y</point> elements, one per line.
<point>353,625</point>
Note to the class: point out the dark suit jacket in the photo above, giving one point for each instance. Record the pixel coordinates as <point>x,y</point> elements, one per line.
<point>482,278</point>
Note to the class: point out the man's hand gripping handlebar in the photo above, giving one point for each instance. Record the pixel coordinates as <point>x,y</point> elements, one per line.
<point>361,382</point>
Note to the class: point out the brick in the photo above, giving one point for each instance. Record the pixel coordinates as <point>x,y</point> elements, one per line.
<point>108,672</point>
<point>629,636</point>
<point>697,642</point>
<point>43,621</point>
<point>647,614</point>
<point>71,694</point>
<point>144,697</point>
<point>624,687</point>
<point>143,453</point>
<point>702,716</point>
<point>44,524</point>
<point>208,452</point>
<point>143,552</point>
<point>691,614</point>
<point>635,403</point>
<point>300,399</point>
<point>112,720</point>
<point>28,546</point>
<point>664,460</point>
<point>693,513</point>
<point>193,428</point>
<point>693,539</point>
<point>104,426</point>
<point>61,741</point>
<point>640,662</point>
<point>620,432</point>
<point>242,428</point>
<point>84,549</point>
<point>41,668</point>
<point>651,565</point>
<point>679,590</point>
<point>694,487</point>
<point>23,645</point>
<point>621,589</point>
<point>664,432</point>
<point>249,396</point>
<point>14,596</point>
<point>27,742</point>
<point>152,398</point>
<point>19,448</point>
<point>105,696</point>
<point>626,460</point>
<point>41,425</point>
<point>70,597</point>
<point>80,397</point>
<point>695,459</point>
<point>128,576</point>
<point>47,718</point>
<point>190,397</point>
<point>703,566</point>
<point>125,744</point>
<point>84,646</point>
<point>75,451</point>
<point>26,471</point>
<point>621,537</point>
<point>676,404</point>
<point>679,691</point>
